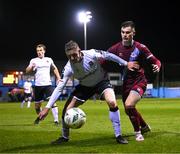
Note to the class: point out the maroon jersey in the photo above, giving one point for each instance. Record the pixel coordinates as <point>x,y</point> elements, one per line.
<point>134,80</point>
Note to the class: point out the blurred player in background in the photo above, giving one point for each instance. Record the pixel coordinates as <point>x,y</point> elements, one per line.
<point>43,89</point>
<point>134,82</point>
<point>28,93</point>
<point>84,65</point>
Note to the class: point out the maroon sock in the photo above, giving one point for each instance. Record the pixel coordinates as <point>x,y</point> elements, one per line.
<point>134,118</point>
<point>141,120</point>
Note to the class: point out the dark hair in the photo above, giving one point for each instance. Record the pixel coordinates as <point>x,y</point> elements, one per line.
<point>127,24</point>
<point>41,45</point>
<point>71,45</point>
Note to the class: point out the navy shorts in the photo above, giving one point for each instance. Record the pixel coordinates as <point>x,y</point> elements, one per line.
<point>42,93</point>
<point>83,93</point>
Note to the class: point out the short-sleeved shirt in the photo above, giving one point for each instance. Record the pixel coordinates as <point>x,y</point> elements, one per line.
<point>27,87</point>
<point>89,71</point>
<point>42,70</point>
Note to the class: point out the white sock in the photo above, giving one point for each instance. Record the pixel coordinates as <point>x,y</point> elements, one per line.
<point>55,113</point>
<point>29,104</point>
<point>115,119</point>
<point>22,104</point>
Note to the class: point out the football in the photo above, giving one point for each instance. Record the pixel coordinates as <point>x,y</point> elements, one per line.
<point>75,118</point>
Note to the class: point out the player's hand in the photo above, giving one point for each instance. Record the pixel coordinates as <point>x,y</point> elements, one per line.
<point>155,68</point>
<point>133,66</point>
<point>43,113</point>
<point>58,80</point>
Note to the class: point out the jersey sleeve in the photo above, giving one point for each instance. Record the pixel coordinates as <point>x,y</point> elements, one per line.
<point>67,71</point>
<point>52,63</point>
<point>149,56</point>
<point>57,92</point>
<point>31,63</point>
<point>109,56</point>
<point>59,88</point>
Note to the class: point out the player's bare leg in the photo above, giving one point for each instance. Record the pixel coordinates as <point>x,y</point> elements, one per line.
<point>65,130</point>
<point>114,114</point>
<point>38,110</point>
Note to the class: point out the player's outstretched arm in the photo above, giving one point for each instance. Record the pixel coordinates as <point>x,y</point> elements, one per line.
<point>109,56</point>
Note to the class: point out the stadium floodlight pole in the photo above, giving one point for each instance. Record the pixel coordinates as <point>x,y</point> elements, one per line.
<point>84,17</point>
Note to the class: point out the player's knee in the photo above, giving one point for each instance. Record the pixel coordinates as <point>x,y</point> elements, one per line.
<point>129,106</point>
<point>112,104</point>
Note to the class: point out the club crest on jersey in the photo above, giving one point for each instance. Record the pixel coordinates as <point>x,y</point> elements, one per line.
<point>93,66</point>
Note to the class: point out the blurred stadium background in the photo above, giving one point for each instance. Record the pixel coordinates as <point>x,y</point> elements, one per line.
<point>166,84</point>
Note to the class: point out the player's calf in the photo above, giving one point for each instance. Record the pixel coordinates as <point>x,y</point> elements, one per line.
<point>145,129</point>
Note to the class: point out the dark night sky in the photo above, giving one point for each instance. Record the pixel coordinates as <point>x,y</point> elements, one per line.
<point>25,23</point>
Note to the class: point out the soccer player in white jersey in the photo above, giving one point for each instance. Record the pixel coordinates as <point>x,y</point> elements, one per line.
<point>84,65</point>
<point>43,89</point>
<point>28,92</point>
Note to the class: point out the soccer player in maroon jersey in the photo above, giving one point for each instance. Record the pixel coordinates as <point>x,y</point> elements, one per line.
<point>134,82</point>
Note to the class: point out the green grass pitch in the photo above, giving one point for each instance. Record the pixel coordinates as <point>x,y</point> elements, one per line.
<point>19,135</point>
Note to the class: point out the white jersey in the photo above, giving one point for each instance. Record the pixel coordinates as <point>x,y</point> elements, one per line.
<point>42,70</point>
<point>89,71</point>
<point>27,87</point>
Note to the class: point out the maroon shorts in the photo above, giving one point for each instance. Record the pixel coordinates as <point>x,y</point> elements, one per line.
<point>139,87</point>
